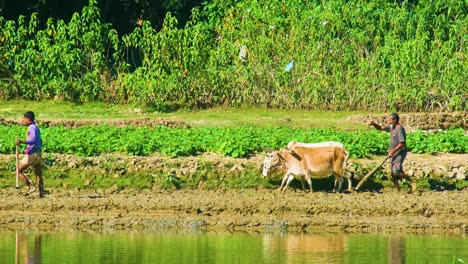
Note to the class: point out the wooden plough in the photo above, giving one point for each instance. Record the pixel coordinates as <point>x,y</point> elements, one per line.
<point>372,172</point>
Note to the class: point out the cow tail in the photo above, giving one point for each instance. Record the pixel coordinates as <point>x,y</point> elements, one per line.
<point>345,164</point>
<point>346,153</point>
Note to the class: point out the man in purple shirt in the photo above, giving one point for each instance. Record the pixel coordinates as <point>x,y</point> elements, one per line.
<point>397,151</point>
<point>33,153</point>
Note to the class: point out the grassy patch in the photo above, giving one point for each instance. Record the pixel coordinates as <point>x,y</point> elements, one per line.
<point>237,117</point>
<point>52,110</point>
<point>218,117</point>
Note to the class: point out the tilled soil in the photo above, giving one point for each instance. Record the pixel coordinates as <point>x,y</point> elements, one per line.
<point>250,209</point>
<point>421,121</point>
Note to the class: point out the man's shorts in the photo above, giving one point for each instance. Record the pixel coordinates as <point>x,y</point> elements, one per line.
<point>33,159</point>
<point>396,166</point>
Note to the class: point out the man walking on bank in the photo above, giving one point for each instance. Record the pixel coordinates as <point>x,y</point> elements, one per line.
<point>397,151</point>
<point>33,155</point>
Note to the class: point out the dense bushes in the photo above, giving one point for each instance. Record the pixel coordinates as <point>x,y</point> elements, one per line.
<point>362,55</point>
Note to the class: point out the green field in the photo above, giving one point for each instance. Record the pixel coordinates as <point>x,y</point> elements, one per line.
<point>215,117</point>
<point>100,155</point>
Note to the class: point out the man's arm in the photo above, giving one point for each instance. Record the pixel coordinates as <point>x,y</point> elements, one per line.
<point>377,126</point>
<point>31,139</point>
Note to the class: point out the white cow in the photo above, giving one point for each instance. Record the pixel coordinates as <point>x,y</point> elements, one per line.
<point>305,162</point>
<point>293,143</point>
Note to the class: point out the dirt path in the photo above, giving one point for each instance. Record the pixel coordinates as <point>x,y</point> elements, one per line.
<point>259,210</point>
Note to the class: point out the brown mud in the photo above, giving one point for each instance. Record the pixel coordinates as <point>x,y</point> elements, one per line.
<point>421,121</point>
<point>239,210</point>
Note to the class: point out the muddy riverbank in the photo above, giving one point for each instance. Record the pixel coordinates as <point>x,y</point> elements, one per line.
<point>251,209</point>
<point>379,208</point>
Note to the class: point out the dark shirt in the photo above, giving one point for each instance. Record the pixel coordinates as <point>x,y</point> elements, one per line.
<point>397,135</point>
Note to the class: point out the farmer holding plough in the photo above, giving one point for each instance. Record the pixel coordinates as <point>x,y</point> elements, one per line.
<point>33,155</point>
<point>397,152</point>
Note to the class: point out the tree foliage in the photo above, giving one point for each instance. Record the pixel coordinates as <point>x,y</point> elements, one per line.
<point>378,55</point>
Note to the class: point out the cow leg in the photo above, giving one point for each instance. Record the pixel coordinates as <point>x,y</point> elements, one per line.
<point>283,182</point>
<point>309,181</point>
<point>302,183</point>
<point>340,183</point>
<point>336,183</point>
<point>337,187</point>
<point>290,178</point>
<point>348,176</point>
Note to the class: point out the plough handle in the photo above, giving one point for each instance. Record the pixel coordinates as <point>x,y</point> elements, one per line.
<point>372,172</point>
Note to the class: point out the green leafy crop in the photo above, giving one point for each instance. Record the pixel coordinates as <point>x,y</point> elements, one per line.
<point>232,142</point>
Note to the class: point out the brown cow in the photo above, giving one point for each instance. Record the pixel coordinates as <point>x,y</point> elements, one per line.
<point>307,162</point>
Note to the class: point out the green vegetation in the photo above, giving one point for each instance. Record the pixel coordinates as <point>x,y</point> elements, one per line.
<point>233,142</point>
<point>96,150</point>
<point>454,260</point>
<point>379,55</point>
<point>239,60</point>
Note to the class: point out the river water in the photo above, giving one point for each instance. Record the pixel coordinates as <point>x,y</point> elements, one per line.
<point>27,246</point>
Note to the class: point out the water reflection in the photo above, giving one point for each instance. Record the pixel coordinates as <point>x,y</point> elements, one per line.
<point>396,250</point>
<point>225,247</point>
<point>28,248</point>
<point>320,248</point>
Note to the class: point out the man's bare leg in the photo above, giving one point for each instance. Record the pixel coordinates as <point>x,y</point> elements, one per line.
<point>39,180</point>
<point>21,168</point>
<point>395,179</point>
